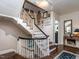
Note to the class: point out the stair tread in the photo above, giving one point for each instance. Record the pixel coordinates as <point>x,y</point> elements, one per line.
<point>53,46</point>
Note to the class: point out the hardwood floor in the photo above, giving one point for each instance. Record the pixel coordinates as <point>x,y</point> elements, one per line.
<point>11,55</point>
<point>54,53</point>
<point>59,48</point>
<point>71,49</point>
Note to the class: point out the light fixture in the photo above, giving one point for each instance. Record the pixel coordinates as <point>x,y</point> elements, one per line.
<point>42,3</point>
<point>76,32</point>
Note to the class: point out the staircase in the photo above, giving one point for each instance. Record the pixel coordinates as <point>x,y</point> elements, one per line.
<point>39,40</point>
<point>42,44</point>
<point>37,46</point>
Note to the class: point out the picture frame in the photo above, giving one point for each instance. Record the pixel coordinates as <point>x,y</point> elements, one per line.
<point>46,14</point>
<point>68,26</point>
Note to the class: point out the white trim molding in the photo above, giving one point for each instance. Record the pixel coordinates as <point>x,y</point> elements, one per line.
<point>7,51</point>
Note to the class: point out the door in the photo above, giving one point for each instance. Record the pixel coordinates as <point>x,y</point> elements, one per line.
<point>56,31</point>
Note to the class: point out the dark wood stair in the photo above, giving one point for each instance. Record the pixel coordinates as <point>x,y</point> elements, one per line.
<point>52,46</point>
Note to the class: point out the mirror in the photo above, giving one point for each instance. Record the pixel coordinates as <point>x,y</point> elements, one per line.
<point>68,27</point>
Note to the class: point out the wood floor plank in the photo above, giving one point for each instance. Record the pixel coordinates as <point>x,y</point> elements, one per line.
<point>59,48</point>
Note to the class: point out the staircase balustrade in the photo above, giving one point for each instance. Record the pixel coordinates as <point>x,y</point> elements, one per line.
<point>35,47</point>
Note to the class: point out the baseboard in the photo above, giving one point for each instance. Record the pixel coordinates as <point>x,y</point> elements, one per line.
<point>52,50</point>
<point>7,51</point>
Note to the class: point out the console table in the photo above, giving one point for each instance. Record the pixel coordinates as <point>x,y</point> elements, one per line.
<point>71,41</point>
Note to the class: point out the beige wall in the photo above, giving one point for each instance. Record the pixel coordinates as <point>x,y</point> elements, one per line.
<point>9,33</point>
<point>75,23</point>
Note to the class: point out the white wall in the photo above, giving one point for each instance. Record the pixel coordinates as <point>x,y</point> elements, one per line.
<point>75,23</point>
<point>9,33</point>
<point>11,7</point>
<point>50,28</point>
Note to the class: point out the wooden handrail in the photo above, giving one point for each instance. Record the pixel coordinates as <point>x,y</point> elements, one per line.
<point>41,31</point>
<point>37,25</point>
<point>41,9</point>
<point>31,38</point>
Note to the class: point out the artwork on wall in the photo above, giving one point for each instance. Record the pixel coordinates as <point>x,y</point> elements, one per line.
<point>68,27</point>
<point>46,15</point>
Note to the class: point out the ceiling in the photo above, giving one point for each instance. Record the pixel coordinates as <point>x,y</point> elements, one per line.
<point>11,7</point>
<point>61,6</point>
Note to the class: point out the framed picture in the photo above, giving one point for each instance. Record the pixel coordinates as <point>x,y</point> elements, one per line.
<point>46,15</point>
<point>68,26</point>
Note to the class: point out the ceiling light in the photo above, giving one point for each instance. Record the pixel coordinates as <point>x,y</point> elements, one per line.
<point>42,3</point>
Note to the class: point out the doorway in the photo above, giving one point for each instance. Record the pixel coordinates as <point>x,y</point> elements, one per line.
<point>56,31</point>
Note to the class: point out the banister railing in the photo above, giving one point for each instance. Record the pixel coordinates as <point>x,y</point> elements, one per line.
<point>28,48</point>
<point>33,52</point>
<point>37,25</point>
<point>31,38</point>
